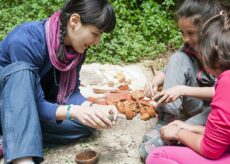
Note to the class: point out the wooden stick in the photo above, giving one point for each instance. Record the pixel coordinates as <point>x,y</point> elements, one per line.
<point>153,70</point>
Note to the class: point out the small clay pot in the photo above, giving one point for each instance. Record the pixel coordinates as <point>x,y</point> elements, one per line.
<point>86,157</point>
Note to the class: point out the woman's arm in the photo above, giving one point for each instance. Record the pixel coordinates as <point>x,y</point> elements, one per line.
<point>95,116</point>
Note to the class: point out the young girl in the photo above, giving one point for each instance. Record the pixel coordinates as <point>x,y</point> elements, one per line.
<point>209,144</point>
<point>39,80</point>
<point>185,83</point>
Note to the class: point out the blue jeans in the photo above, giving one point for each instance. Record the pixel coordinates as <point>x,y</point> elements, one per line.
<point>21,127</point>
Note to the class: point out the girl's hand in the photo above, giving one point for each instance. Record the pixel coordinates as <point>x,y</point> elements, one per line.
<point>181,124</point>
<point>169,133</point>
<point>169,95</point>
<point>150,89</point>
<point>193,128</point>
<point>96,116</point>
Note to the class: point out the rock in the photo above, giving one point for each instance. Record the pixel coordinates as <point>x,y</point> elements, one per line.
<point>124,140</point>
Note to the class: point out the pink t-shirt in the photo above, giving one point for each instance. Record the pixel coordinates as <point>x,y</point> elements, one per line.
<point>216,140</point>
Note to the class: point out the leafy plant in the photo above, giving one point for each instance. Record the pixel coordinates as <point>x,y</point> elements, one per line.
<point>145,29</point>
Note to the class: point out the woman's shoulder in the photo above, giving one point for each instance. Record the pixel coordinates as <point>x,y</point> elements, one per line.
<point>27,42</point>
<point>27,33</point>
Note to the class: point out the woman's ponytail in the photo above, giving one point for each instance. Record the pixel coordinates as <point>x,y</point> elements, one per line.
<point>63,32</point>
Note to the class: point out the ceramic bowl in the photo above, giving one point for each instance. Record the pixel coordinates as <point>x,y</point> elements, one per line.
<point>86,157</point>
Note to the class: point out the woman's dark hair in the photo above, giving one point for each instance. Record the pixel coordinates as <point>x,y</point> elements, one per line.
<point>199,10</point>
<point>215,42</point>
<point>92,12</point>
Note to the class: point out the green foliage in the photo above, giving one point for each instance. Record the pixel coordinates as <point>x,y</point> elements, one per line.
<point>14,12</point>
<point>144,28</point>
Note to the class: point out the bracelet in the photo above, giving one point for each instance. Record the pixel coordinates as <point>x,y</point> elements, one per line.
<point>178,133</point>
<point>68,115</point>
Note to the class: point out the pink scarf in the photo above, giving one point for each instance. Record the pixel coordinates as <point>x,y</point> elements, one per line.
<point>68,67</point>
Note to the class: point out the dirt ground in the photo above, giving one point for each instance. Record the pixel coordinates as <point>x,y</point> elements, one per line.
<point>115,146</point>
<point>118,145</point>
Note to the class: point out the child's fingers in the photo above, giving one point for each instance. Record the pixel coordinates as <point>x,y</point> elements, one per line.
<point>158,96</point>
<point>162,99</point>
<point>148,91</point>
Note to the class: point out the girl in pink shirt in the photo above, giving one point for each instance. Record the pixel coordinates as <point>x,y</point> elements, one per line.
<point>209,144</point>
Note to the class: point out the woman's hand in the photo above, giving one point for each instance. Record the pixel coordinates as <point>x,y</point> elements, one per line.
<point>87,103</point>
<point>169,95</point>
<point>169,133</point>
<point>96,116</point>
<point>150,89</point>
<point>111,111</point>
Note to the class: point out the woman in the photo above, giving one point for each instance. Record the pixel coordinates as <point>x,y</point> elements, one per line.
<point>39,70</point>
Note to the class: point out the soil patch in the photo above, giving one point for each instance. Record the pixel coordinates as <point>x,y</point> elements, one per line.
<point>118,145</point>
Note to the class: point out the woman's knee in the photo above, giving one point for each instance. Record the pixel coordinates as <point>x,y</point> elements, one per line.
<point>20,71</point>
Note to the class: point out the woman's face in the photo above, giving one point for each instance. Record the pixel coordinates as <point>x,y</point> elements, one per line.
<point>80,36</point>
<point>189,32</point>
